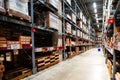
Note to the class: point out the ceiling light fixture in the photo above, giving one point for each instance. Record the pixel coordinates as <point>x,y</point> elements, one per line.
<point>98,26</point>
<point>95,10</point>
<point>96,15</point>
<point>94,5</point>
<point>97,21</point>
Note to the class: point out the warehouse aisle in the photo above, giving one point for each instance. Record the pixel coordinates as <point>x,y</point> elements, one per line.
<point>87,66</point>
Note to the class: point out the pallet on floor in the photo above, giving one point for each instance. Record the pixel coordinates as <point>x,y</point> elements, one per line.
<point>18,74</point>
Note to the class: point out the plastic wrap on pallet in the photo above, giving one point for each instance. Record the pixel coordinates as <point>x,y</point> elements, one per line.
<point>53,3</point>
<point>68,27</point>
<point>52,20</point>
<point>18,5</point>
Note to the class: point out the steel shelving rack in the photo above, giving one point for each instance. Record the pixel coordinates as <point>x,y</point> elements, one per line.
<point>74,9</point>
<point>111,43</point>
<point>33,30</point>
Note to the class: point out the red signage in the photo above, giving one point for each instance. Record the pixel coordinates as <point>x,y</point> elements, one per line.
<point>110,20</point>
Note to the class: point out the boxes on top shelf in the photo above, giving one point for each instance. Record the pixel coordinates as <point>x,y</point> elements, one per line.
<point>53,3</point>
<point>2,7</point>
<point>68,27</point>
<point>69,1</point>
<point>18,8</point>
<point>73,18</point>
<point>52,21</point>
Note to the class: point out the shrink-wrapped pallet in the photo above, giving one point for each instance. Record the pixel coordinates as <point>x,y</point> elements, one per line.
<point>53,3</point>
<point>18,8</point>
<point>52,20</point>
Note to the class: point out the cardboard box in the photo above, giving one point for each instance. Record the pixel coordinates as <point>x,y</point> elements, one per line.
<point>74,18</point>
<point>77,50</point>
<point>68,27</point>
<point>73,32</point>
<point>53,3</point>
<point>67,41</point>
<point>52,21</point>
<point>18,8</point>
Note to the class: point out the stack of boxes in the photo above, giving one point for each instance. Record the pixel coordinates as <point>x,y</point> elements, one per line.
<point>47,61</point>
<point>53,4</point>
<point>52,20</point>
<point>24,41</point>
<point>68,28</point>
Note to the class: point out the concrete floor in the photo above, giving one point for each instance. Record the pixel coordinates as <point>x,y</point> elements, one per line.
<point>86,66</point>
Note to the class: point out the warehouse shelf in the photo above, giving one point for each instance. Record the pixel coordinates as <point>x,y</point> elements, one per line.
<point>15,21</point>
<point>42,44</point>
<point>111,40</point>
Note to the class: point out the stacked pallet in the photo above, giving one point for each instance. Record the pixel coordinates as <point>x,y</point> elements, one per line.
<point>2,69</point>
<point>18,74</point>
<point>47,61</point>
<point>40,63</point>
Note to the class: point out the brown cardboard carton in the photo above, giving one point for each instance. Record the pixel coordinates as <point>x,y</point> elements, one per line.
<point>53,3</point>
<point>52,20</point>
<point>18,8</point>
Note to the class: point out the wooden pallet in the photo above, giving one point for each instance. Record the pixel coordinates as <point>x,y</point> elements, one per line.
<point>41,59</point>
<point>41,68</point>
<point>18,74</point>
<point>19,15</point>
<point>40,64</point>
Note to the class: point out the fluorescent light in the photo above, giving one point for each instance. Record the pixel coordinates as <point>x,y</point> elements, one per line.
<point>95,10</point>
<point>97,21</point>
<point>96,15</point>
<point>98,26</point>
<point>94,5</point>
